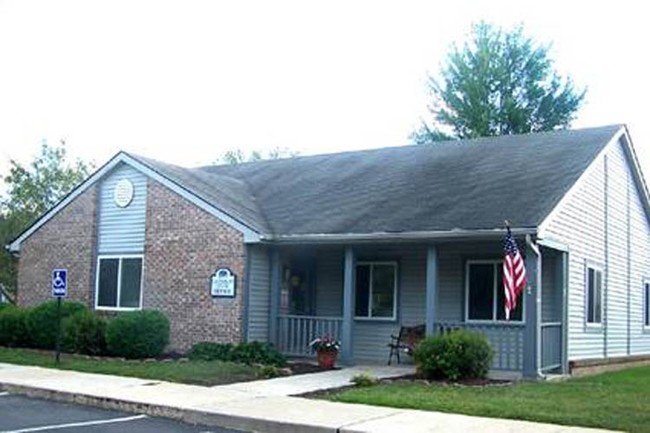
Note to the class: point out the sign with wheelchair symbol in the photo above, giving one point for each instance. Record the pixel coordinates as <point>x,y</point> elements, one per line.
<point>60,283</point>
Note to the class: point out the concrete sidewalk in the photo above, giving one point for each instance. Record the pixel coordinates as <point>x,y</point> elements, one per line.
<point>254,406</point>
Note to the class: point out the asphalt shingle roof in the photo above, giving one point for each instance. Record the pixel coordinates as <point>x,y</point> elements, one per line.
<point>468,184</point>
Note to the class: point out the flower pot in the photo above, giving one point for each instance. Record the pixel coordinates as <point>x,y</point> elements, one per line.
<point>327,358</point>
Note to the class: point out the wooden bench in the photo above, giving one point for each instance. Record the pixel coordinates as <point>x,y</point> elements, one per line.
<point>406,340</point>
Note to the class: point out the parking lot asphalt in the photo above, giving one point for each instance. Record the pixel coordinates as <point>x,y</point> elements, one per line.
<point>19,414</point>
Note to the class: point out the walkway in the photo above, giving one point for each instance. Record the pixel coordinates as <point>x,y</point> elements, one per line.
<point>306,383</point>
<point>254,407</point>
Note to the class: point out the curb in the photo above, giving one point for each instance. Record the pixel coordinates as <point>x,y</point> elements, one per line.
<point>189,416</point>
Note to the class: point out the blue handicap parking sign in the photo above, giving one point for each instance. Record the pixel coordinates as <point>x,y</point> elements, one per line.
<point>60,283</point>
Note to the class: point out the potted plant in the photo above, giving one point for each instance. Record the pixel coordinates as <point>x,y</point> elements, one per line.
<point>327,350</point>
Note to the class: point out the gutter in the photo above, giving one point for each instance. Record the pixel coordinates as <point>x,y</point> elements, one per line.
<point>441,235</point>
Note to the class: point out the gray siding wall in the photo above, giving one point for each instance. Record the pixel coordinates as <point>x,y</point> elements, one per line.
<point>259,286</point>
<point>371,336</point>
<point>329,283</point>
<point>551,290</point>
<point>605,224</point>
<point>121,230</point>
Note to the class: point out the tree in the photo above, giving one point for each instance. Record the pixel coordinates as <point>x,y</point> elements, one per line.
<point>501,82</point>
<point>31,191</point>
<point>237,156</point>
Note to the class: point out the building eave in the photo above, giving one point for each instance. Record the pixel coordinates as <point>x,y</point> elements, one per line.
<point>415,236</point>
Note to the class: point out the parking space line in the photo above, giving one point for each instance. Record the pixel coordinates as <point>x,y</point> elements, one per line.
<point>76,424</point>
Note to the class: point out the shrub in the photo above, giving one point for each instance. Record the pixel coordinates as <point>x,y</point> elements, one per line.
<point>209,351</point>
<point>454,356</point>
<point>42,322</point>
<point>269,372</point>
<point>84,332</point>
<point>364,380</point>
<point>13,327</point>
<point>138,334</point>
<point>244,353</point>
<point>257,353</point>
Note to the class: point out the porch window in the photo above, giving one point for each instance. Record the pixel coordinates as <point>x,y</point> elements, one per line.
<point>484,292</point>
<point>376,290</point>
<point>594,290</point>
<point>646,304</point>
<point>119,282</point>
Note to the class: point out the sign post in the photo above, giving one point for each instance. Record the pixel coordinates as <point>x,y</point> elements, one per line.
<point>59,291</point>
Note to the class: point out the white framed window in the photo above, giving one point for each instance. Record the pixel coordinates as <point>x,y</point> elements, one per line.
<point>484,293</point>
<point>119,282</point>
<point>646,304</point>
<point>593,296</point>
<point>376,291</point>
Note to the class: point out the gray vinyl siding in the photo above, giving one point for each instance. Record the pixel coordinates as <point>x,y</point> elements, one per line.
<point>122,230</point>
<point>639,271</point>
<point>259,286</point>
<point>329,283</point>
<point>370,337</point>
<point>598,235</point>
<point>551,291</point>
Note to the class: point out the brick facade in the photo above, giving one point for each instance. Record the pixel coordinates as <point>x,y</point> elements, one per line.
<point>66,241</point>
<point>184,245</point>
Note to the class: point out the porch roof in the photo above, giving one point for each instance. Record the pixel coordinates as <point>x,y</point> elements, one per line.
<point>465,186</point>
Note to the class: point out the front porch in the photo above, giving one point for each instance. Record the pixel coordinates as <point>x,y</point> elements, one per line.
<point>363,294</point>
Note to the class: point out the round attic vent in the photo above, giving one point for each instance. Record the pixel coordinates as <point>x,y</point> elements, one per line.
<point>123,193</point>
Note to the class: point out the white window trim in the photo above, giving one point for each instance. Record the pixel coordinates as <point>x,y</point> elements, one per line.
<point>494,319</point>
<point>645,301</point>
<point>596,268</point>
<point>119,281</point>
<point>369,317</point>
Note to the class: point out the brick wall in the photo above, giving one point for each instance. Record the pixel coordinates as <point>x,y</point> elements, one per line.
<point>183,247</point>
<point>65,241</point>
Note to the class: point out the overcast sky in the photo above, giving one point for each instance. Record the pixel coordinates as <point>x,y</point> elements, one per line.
<point>183,81</point>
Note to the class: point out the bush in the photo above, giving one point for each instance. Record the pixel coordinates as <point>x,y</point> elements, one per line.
<point>84,332</point>
<point>138,334</point>
<point>13,327</point>
<point>42,322</point>
<point>244,353</point>
<point>257,353</point>
<point>208,351</point>
<point>364,380</point>
<point>454,356</point>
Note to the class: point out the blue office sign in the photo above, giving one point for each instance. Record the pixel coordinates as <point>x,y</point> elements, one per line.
<point>60,283</point>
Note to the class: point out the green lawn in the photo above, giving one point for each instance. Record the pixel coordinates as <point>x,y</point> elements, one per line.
<point>618,400</point>
<point>207,373</point>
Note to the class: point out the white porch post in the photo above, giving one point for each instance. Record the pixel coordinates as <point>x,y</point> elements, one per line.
<point>431,299</point>
<point>533,314</point>
<point>276,283</point>
<point>349,269</point>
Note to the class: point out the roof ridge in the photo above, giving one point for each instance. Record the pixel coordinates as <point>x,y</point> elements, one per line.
<point>463,141</point>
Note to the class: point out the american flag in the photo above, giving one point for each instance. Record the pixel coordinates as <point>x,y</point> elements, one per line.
<point>514,273</point>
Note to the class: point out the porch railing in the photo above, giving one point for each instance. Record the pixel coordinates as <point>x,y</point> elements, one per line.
<point>551,345</point>
<point>296,332</point>
<point>506,341</point>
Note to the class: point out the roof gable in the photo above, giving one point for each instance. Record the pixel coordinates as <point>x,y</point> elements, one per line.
<point>622,138</point>
<point>250,234</point>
